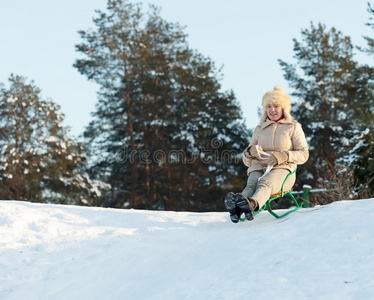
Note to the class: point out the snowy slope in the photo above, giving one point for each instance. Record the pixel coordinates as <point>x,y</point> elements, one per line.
<point>66,252</point>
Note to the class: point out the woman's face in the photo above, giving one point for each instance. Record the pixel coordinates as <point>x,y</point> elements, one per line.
<point>274,111</point>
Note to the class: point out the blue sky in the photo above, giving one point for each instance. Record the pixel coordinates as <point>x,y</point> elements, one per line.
<point>247,37</point>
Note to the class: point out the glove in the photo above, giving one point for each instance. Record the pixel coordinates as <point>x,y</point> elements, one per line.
<point>246,153</point>
<point>277,158</point>
<point>253,151</point>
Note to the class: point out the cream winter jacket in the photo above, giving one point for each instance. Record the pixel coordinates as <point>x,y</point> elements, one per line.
<point>273,136</point>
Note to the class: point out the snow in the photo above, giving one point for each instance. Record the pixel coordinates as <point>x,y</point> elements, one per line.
<point>334,100</point>
<point>70,252</point>
<point>308,106</point>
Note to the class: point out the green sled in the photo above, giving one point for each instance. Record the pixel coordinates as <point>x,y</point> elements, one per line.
<point>282,193</point>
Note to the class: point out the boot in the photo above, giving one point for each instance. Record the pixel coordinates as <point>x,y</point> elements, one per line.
<point>235,212</point>
<point>247,205</point>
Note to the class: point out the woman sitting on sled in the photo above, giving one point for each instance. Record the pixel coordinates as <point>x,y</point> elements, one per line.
<point>278,144</point>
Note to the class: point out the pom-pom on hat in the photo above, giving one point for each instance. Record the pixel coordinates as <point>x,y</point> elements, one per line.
<point>277,96</point>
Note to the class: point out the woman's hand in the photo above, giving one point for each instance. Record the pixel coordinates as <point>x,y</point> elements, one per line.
<point>253,151</point>
<point>277,158</point>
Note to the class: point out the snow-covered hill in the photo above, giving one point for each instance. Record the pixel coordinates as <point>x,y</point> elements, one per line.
<point>66,252</point>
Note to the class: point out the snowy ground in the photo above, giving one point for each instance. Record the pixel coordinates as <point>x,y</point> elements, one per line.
<point>66,252</point>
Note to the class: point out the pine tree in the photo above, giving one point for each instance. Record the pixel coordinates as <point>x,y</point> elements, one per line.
<point>370,41</point>
<point>159,107</point>
<point>329,96</point>
<point>38,161</point>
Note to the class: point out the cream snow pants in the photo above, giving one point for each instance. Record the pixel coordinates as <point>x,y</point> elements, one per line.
<point>270,184</point>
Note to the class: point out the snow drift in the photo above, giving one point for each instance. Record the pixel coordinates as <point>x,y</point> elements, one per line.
<point>68,252</point>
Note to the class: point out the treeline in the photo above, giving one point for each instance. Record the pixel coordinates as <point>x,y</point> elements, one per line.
<point>164,135</point>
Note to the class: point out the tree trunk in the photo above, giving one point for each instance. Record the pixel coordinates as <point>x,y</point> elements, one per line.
<point>134,171</point>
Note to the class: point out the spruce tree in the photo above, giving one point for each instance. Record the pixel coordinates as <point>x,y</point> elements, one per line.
<point>361,157</point>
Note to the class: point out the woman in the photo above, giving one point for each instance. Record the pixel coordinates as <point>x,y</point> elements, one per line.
<point>283,141</point>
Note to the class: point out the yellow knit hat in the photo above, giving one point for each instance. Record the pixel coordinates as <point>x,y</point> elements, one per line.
<point>277,96</point>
